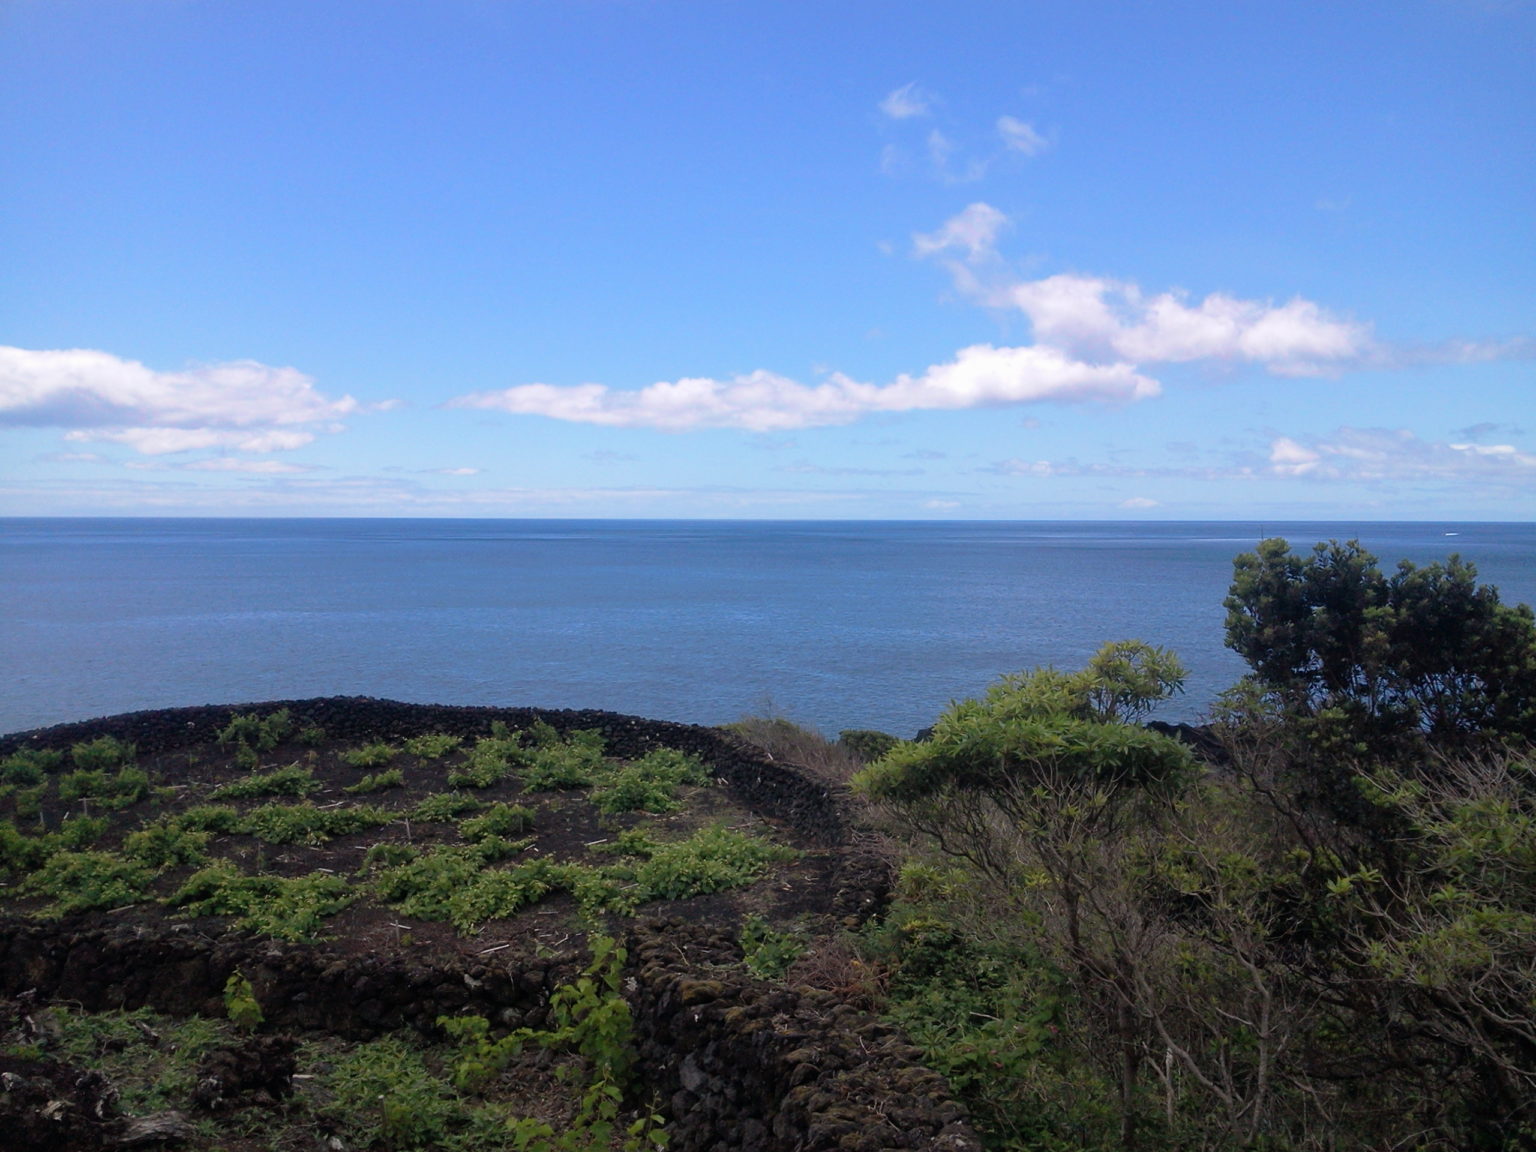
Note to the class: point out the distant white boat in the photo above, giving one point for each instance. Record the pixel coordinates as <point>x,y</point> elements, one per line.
<point>1453,533</point>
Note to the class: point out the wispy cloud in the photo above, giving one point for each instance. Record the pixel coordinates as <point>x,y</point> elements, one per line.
<point>98,397</point>
<point>1385,454</point>
<point>1020,136</point>
<point>955,152</point>
<point>906,102</point>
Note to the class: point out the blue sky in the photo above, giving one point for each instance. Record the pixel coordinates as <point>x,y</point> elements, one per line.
<point>716,259</point>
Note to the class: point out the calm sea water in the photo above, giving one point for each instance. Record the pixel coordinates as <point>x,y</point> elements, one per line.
<point>838,625</point>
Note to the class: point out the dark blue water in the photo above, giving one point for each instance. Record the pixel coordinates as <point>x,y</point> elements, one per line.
<point>838,625</point>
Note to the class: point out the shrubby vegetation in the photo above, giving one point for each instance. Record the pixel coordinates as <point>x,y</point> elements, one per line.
<point>1328,942</point>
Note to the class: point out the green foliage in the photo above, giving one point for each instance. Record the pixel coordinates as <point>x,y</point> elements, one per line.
<point>374,755</point>
<point>285,908</point>
<point>1423,650</point>
<point>432,745</point>
<point>312,736</point>
<point>306,824</point>
<point>649,784</point>
<point>216,818</point>
<point>441,884</point>
<point>592,1021</point>
<point>498,820</point>
<point>555,764</point>
<point>240,1003</point>
<point>81,831</point>
<point>1040,729</point>
<point>29,766</point>
<point>487,763</point>
<point>101,754</point>
<point>377,782</point>
<point>87,881</point>
<point>714,859</point>
<point>387,854</point>
<point>127,786</point>
<point>443,806</point>
<point>166,844</point>
<point>866,743</point>
<point>20,853</point>
<point>82,784</point>
<point>258,733</point>
<point>294,780</point>
<point>767,952</point>
<point>150,1060</point>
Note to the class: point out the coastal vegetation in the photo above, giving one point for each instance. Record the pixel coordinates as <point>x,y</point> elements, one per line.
<point>1325,939</point>
<point>1308,925</point>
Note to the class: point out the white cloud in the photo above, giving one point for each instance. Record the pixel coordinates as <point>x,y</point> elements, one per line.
<point>906,102</point>
<point>974,229</point>
<point>242,404</point>
<point>455,471</point>
<point>1378,454</point>
<point>1096,318</point>
<point>978,376</point>
<point>1087,316</point>
<point>1139,503</point>
<point>1020,136</point>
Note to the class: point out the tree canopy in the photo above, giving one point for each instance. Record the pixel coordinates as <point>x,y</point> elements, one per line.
<point>1423,650</point>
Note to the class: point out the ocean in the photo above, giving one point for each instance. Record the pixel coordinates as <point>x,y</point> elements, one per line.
<point>831,624</point>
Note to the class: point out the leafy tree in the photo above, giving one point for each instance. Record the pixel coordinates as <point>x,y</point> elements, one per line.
<point>1423,653</point>
<point>1037,786</point>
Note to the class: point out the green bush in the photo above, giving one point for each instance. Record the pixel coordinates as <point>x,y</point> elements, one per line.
<point>306,824</point>
<point>82,784</point>
<point>487,763</point>
<point>766,951</point>
<point>100,754</point>
<point>280,907</point>
<point>867,744</point>
<point>374,755</point>
<point>20,853</point>
<point>649,784</point>
<point>714,859</point>
<point>29,766</point>
<point>377,782</point>
<point>87,881</point>
<point>432,745</point>
<point>294,780</point>
<point>217,818</point>
<point>425,885</point>
<point>167,845</point>
<point>498,820</point>
<point>240,1003</point>
<point>258,733</point>
<point>444,806</point>
<point>559,767</point>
